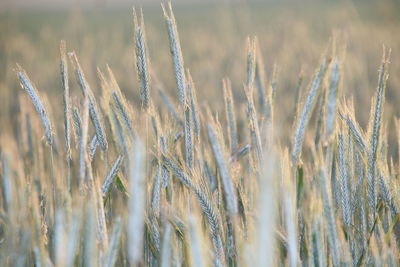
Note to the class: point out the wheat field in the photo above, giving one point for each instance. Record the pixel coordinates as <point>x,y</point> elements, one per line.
<point>122,147</point>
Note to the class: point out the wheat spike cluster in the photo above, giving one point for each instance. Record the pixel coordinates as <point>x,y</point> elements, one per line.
<point>171,181</point>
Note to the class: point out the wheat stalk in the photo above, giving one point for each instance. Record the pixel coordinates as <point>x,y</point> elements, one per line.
<point>33,94</point>
<point>136,204</point>
<point>230,115</point>
<point>93,108</point>
<point>306,113</point>
<point>375,135</point>
<point>142,59</point>
<point>344,182</point>
<point>176,52</point>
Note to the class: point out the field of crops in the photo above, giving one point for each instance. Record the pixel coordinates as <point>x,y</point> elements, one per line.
<point>236,134</point>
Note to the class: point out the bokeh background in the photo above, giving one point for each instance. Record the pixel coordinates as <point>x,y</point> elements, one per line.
<point>293,36</point>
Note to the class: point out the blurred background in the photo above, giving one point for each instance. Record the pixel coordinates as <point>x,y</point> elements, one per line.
<point>293,36</point>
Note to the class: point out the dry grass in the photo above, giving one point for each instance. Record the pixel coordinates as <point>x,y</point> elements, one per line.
<point>176,183</point>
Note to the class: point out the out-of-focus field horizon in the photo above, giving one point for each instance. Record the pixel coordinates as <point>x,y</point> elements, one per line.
<point>293,37</point>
